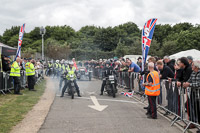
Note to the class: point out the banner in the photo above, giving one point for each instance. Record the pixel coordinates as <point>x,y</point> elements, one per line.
<point>1,59</point>
<point>147,34</point>
<point>21,34</point>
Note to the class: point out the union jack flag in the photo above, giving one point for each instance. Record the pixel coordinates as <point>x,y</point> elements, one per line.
<point>147,34</point>
<point>128,94</point>
<point>21,34</point>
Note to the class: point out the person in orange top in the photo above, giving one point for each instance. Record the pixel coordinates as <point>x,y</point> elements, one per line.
<point>152,90</point>
<point>75,63</point>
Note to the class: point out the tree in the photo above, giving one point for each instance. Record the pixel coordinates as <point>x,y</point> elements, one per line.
<point>161,32</point>
<point>169,48</point>
<point>121,49</point>
<point>34,34</point>
<point>13,41</point>
<point>57,50</point>
<point>106,39</point>
<point>0,38</point>
<point>27,53</point>
<point>9,33</point>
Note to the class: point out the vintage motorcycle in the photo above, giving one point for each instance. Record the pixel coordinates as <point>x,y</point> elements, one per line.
<point>83,72</point>
<point>110,87</point>
<point>71,86</point>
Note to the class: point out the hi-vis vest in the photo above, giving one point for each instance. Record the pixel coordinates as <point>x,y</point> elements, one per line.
<point>50,65</point>
<point>15,70</point>
<point>71,71</point>
<point>59,66</point>
<point>30,70</point>
<point>63,68</point>
<point>56,65</point>
<point>153,90</point>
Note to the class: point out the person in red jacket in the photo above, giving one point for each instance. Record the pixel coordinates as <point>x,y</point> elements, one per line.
<point>75,63</point>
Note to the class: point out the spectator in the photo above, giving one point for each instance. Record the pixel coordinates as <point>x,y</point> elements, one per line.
<point>152,59</point>
<point>169,63</point>
<point>139,62</point>
<point>190,60</point>
<point>194,82</point>
<point>165,71</point>
<point>127,59</point>
<point>117,65</point>
<point>178,72</point>
<point>124,66</point>
<point>6,64</point>
<point>133,67</point>
<point>75,63</point>
<point>186,72</point>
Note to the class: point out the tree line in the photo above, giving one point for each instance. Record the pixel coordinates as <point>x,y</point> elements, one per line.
<point>93,42</point>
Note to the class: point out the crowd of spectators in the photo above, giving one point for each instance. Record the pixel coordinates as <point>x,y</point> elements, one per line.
<point>184,71</point>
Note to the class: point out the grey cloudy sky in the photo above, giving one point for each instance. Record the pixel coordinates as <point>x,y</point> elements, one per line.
<point>78,13</point>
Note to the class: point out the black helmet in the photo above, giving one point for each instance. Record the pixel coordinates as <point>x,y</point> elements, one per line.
<point>108,62</point>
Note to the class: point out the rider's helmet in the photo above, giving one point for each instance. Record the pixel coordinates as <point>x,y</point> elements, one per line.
<point>57,61</point>
<point>71,63</point>
<point>107,63</point>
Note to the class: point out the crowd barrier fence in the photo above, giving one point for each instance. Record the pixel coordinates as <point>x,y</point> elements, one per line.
<point>182,103</point>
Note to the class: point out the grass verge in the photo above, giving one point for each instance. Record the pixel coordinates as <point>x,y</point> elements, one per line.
<point>13,108</point>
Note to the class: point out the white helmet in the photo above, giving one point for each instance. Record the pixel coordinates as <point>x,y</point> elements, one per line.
<point>57,61</point>
<point>71,63</point>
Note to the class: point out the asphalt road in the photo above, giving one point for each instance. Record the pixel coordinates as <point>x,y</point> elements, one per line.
<point>122,115</point>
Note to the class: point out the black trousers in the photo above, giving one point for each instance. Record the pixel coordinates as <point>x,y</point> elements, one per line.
<point>16,85</point>
<point>31,82</point>
<point>67,84</point>
<point>152,109</point>
<point>103,85</point>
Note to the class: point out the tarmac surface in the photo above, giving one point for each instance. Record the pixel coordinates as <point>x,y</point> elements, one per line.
<point>109,115</point>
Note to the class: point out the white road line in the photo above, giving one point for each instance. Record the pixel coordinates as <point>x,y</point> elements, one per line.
<point>110,100</point>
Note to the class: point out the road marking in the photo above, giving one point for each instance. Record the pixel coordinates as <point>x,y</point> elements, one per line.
<point>96,105</point>
<point>110,100</point>
<point>91,93</point>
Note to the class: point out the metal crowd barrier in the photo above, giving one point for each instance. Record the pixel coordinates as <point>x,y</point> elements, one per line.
<point>129,80</point>
<point>97,73</point>
<point>6,82</point>
<point>183,104</point>
<point>23,79</point>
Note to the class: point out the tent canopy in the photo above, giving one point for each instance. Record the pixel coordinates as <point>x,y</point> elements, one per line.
<point>7,50</point>
<point>193,52</point>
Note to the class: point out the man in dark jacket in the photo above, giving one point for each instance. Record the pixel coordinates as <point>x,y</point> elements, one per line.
<point>186,71</point>
<point>165,71</point>
<point>169,63</point>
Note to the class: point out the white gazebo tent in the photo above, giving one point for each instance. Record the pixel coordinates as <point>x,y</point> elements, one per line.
<point>193,52</point>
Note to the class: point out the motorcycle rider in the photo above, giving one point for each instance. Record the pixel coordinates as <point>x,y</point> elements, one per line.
<point>71,70</point>
<point>108,70</point>
<point>63,70</point>
<point>56,68</point>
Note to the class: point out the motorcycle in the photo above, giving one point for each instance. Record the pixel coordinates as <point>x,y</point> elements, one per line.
<point>110,86</point>
<point>71,87</point>
<point>82,72</point>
